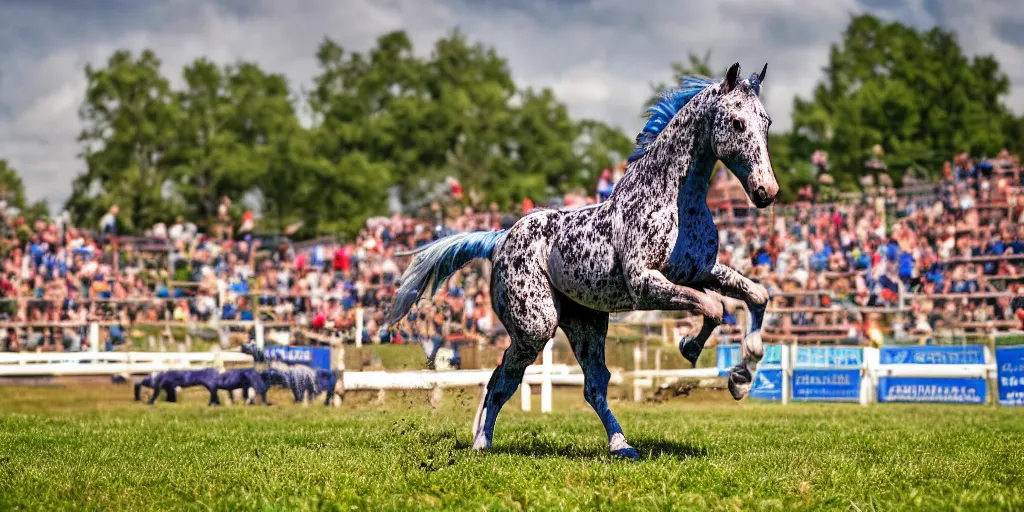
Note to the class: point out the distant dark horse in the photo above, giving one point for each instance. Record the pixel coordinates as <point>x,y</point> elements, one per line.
<point>169,380</point>
<point>303,381</point>
<point>243,379</point>
<point>147,382</point>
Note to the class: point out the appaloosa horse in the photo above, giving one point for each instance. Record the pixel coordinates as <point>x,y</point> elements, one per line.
<point>650,246</point>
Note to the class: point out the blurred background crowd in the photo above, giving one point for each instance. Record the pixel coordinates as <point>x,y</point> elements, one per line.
<point>940,253</point>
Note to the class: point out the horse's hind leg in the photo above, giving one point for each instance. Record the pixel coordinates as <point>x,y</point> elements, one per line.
<point>503,384</point>
<point>586,330</point>
<point>531,317</point>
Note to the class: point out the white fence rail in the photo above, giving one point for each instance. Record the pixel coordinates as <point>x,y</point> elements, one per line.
<point>29,364</point>
<point>868,369</point>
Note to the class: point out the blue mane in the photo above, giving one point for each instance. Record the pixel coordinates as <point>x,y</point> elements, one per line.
<point>662,112</point>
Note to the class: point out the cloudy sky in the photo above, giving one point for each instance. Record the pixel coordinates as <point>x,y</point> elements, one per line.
<point>599,56</point>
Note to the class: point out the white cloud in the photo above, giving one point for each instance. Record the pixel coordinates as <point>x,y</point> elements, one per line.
<point>599,56</point>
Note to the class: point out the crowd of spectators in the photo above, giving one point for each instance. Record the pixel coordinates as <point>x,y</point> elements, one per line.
<point>943,253</point>
<point>957,236</point>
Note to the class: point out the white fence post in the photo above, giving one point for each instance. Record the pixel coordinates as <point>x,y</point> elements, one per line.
<point>359,327</point>
<point>991,376</point>
<point>545,385</point>
<point>867,379</point>
<point>258,328</point>
<point>527,396</point>
<point>787,372</point>
<point>94,337</point>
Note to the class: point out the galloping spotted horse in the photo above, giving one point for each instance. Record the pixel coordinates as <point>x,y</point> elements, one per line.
<point>651,246</point>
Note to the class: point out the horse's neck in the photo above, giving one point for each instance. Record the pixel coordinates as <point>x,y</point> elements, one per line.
<point>663,171</point>
<point>694,185</point>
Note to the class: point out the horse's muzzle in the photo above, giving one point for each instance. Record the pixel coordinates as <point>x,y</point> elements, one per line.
<point>762,199</point>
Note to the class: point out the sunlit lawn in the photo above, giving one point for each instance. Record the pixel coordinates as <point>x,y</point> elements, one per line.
<point>91,447</point>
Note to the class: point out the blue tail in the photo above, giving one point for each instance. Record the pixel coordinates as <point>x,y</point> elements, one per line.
<point>436,262</point>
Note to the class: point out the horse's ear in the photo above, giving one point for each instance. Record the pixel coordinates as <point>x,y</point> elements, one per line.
<point>764,71</point>
<point>731,78</point>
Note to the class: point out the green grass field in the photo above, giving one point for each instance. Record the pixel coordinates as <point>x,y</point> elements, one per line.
<point>89,447</point>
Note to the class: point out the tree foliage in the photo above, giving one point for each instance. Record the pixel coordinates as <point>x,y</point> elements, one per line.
<point>12,188</point>
<point>130,120</point>
<point>696,65</point>
<point>914,93</point>
<point>381,118</point>
<point>393,117</point>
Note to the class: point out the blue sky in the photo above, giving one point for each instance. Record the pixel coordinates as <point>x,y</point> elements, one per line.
<point>599,56</point>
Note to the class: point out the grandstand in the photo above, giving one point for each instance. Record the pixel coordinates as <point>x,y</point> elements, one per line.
<point>928,262</point>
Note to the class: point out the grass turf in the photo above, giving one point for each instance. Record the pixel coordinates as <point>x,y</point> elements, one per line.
<point>89,447</point>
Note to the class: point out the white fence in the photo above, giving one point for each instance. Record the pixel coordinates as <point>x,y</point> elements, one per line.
<point>29,364</point>
<point>26,364</point>
<point>921,373</point>
<point>786,374</point>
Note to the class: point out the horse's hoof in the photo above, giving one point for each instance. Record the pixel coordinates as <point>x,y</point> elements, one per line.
<point>618,447</point>
<point>481,444</point>
<point>740,380</point>
<point>629,453</point>
<point>690,350</point>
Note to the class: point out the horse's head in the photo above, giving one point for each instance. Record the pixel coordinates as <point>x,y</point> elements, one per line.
<point>740,135</point>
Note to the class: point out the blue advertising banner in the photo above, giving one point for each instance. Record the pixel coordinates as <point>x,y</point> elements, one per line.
<point>827,357</point>
<point>932,389</point>
<point>317,357</point>
<point>826,384</point>
<point>729,356</point>
<point>924,354</point>
<point>767,385</point>
<point>1010,366</point>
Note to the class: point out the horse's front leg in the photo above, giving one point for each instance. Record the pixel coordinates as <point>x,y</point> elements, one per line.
<point>691,347</point>
<point>651,290</point>
<point>733,284</point>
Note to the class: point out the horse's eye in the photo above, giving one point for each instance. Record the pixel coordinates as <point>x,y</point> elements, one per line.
<point>739,125</point>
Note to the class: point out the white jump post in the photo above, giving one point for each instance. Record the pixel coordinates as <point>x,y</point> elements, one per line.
<point>787,370</point>
<point>527,397</point>
<point>870,360</point>
<point>991,376</point>
<point>359,327</point>
<point>545,385</point>
<point>258,328</point>
<point>94,337</point>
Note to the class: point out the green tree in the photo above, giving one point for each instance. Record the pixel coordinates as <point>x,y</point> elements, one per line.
<point>39,209</point>
<point>381,118</point>
<point>129,118</point>
<point>233,118</point>
<point>456,113</point>
<point>696,65</point>
<point>915,93</point>
<point>12,188</point>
